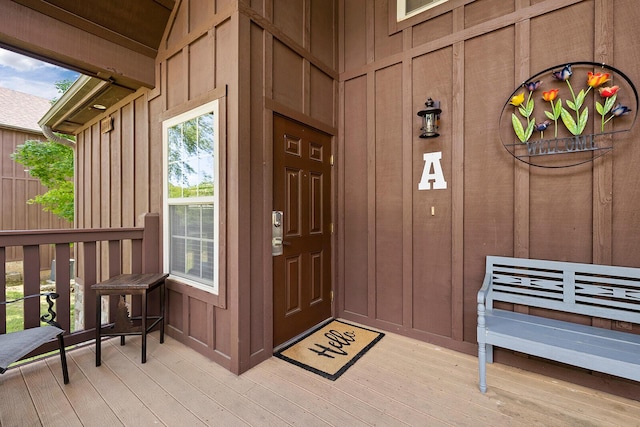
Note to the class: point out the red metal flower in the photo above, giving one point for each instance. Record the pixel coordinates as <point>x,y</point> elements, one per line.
<point>607,92</point>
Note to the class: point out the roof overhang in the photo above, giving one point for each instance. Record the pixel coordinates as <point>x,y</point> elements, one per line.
<point>86,99</point>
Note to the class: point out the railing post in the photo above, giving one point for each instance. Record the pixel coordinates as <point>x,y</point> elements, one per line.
<point>151,260</point>
<point>31,275</point>
<point>89,295</point>
<point>114,268</point>
<point>63,285</point>
<point>3,291</point>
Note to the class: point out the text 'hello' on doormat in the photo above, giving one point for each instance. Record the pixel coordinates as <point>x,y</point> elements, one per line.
<point>331,349</point>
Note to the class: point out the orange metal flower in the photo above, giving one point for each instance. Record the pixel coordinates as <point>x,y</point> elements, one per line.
<point>607,92</point>
<point>595,80</point>
<point>550,95</point>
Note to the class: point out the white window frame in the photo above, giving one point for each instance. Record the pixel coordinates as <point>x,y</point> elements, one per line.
<point>402,9</point>
<point>216,199</point>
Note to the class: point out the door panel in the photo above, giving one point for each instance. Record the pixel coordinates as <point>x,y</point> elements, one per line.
<point>302,191</point>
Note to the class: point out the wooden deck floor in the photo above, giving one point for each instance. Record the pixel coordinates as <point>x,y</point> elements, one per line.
<point>399,382</point>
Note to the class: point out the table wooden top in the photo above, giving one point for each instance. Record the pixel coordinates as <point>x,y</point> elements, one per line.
<point>131,281</point>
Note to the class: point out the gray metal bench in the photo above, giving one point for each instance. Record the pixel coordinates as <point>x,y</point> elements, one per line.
<point>15,345</point>
<point>599,291</point>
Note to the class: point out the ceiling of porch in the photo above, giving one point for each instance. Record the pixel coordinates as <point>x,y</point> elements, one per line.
<point>113,42</point>
<point>136,25</point>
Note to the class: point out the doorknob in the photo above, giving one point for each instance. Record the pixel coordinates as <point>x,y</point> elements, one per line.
<point>277,241</point>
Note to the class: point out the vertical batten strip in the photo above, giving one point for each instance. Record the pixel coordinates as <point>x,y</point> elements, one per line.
<point>521,208</point>
<point>408,141</point>
<point>603,166</point>
<point>371,195</point>
<point>457,182</point>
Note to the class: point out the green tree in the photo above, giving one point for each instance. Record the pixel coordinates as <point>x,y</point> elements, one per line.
<point>62,86</point>
<point>52,164</point>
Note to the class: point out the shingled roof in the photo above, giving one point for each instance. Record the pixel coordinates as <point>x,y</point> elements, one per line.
<point>21,110</point>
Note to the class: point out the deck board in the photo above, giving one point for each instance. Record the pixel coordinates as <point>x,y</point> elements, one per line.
<point>217,384</point>
<point>87,403</point>
<point>400,382</point>
<point>128,407</point>
<point>145,381</point>
<point>47,396</point>
<point>14,395</point>
<point>363,403</point>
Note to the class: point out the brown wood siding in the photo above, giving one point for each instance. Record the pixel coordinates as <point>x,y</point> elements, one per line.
<point>354,221</point>
<point>470,57</point>
<point>430,284</point>
<point>488,172</point>
<point>482,11</point>
<point>287,77</point>
<point>386,196</point>
<point>16,188</point>
<point>121,175</point>
<point>260,324</point>
<point>112,175</point>
<point>620,190</point>
<point>356,41</point>
<point>290,71</point>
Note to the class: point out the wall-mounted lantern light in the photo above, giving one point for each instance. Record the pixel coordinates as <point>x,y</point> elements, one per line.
<point>430,119</point>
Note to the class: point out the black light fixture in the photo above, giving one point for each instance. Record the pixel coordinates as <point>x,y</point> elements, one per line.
<point>430,119</point>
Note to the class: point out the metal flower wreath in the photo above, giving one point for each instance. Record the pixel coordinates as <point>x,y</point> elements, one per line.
<point>569,117</point>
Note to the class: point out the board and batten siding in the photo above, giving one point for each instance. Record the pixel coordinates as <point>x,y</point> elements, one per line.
<point>261,58</point>
<point>411,260</point>
<point>16,189</point>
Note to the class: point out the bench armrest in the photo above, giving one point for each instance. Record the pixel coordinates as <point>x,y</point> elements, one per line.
<point>482,293</point>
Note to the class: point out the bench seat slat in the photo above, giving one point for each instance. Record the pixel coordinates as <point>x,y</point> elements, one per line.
<point>504,315</point>
<point>591,339</point>
<point>612,352</point>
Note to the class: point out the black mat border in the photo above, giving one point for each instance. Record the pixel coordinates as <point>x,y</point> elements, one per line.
<point>342,370</point>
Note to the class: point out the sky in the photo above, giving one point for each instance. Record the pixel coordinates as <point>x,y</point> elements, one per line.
<point>28,75</point>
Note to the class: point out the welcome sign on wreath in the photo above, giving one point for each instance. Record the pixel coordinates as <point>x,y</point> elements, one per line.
<point>568,114</point>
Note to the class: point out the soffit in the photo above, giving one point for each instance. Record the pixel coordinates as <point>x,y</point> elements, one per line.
<point>137,25</point>
<point>85,100</point>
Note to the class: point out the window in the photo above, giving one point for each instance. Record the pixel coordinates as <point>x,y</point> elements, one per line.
<point>408,8</point>
<point>192,196</point>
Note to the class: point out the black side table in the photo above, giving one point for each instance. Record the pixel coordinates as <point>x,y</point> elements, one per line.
<point>129,284</point>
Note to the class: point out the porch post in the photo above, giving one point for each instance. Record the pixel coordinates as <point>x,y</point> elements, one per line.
<point>151,249</point>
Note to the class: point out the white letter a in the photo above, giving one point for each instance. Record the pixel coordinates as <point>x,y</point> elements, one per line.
<point>432,160</point>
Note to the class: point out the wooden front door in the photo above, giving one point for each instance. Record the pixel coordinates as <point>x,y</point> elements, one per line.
<point>302,191</point>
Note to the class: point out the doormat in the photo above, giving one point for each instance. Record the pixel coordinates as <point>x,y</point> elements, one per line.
<point>330,349</point>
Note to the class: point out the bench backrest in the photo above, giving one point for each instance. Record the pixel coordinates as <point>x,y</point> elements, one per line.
<point>604,291</point>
